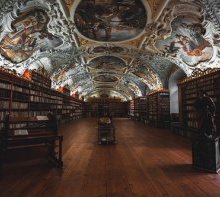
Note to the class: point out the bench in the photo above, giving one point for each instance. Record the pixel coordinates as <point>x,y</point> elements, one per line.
<point>30,132</point>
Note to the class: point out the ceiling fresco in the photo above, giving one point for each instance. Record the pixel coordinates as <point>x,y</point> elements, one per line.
<point>29,34</point>
<point>107,63</point>
<point>187,41</point>
<point>105,78</point>
<point>110,20</point>
<point>115,48</point>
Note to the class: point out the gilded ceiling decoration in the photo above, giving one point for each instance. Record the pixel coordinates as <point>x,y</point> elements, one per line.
<point>69,3</point>
<point>154,5</point>
<point>121,48</point>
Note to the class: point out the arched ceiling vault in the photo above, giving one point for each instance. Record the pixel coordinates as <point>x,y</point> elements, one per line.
<point>110,47</point>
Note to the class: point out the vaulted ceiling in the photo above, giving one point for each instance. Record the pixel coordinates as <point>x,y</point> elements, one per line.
<point>121,48</point>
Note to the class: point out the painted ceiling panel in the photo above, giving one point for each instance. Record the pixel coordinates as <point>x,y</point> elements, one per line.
<point>29,34</point>
<point>110,20</point>
<point>105,78</point>
<point>117,47</point>
<point>107,63</point>
<point>187,41</point>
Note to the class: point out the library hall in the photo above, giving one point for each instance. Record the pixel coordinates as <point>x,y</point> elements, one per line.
<point>109,98</point>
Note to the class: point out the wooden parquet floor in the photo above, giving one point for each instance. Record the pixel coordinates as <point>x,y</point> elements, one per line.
<point>145,162</point>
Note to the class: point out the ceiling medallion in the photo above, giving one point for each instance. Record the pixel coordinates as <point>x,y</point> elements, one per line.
<point>110,20</point>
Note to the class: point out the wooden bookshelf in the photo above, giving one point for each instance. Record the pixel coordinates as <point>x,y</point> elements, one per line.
<point>158,108</point>
<point>209,81</point>
<point>64,90</point>
<point>131,108</point>
<point>40,78</point>
<point>116,107</point>
<point>24,97</point>
<point>140,108</point>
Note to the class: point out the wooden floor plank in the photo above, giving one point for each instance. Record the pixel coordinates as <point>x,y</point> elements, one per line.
<point>145,162</point>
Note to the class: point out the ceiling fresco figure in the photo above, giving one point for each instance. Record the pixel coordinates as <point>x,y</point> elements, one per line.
<point>107,63</point>
<point>30,33</point>
<point>187,41</point>
<point>110,21</point>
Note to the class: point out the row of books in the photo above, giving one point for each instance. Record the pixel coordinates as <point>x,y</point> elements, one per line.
<point>4,85</point>
<point>192,124</point>
<point>20,97</point>
<point>164,94</point>
<point>69,117</point>
<point>152,109</point>
<point>191,96</point>
<point>4,105</point>
<point>158,107</point>
<point>19,105</point>
<point>22,109</point>
<point>37,93</point>
<point>2,115</point>
<point>70,107</point>
<point>18,126</point>
<point>5,76</point>
<point>33,97</point>
<point>46,94</point>
<point>151,113</point>
<point>140,110</point>
<point>39,84</point>
<point>42,84</point>
<point>20,89</point>
<point>40,79</point>
<point>131,108</point>
<point>152,117</point>
<point>192,85</point>
<point>190,108</point>
<point>195,90</point>
<point>45,100</point>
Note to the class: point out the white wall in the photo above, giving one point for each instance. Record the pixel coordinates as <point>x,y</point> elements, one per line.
<point>173,88</point>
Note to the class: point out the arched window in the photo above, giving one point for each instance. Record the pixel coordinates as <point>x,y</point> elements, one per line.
<point>173,88</point>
